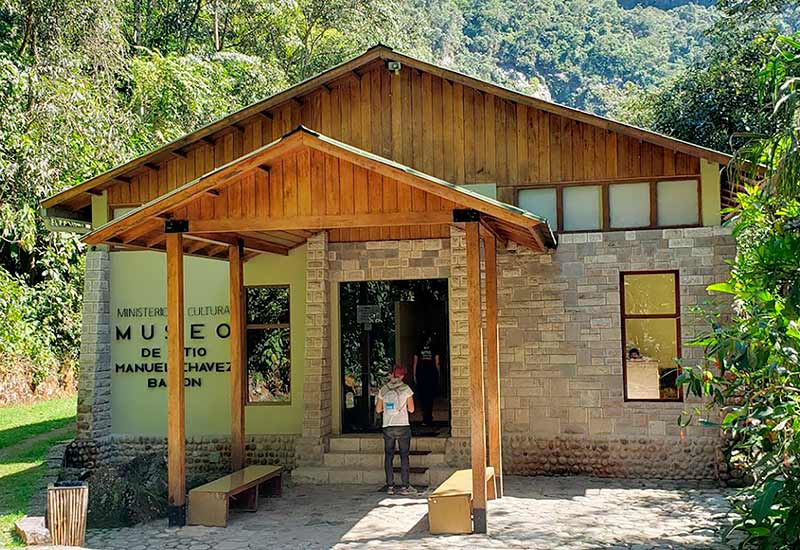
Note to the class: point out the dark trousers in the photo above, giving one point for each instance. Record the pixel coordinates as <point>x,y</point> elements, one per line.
<point>402,436</point>
<point>427,386</point>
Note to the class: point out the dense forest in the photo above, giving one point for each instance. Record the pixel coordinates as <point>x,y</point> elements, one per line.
<point>86,84</point>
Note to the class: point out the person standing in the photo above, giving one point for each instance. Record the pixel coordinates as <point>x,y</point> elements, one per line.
<point>426,378</point>
<point>395,401</point>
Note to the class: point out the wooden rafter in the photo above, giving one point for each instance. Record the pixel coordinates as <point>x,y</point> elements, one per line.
<point>272,237</point>
<point>504,221</point>
<point>319,222</point>
<point>142,230</point>
<point>195,245</point>
<point>184,194</point>
<point>256,245</point>
<point>155,239</point>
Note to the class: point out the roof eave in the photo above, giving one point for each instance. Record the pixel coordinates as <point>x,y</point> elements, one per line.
<point>377,52</point>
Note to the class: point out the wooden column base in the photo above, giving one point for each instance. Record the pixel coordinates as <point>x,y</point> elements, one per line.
<point>176,515</point>
<point>479,520</point>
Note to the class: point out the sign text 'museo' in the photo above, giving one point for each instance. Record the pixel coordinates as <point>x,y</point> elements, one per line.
<point>143,333</point>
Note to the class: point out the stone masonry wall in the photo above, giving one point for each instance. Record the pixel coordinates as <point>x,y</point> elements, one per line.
<point>459,347</point>
<point>563,408</point>
<point>390,260</point>
<point>209,456</point>
<point>94,383</point>
<point>397,260</point>
<point>317,385</point>
<point>92,443</point>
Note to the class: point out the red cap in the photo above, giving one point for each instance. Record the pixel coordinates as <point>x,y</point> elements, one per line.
<point>399,371</point>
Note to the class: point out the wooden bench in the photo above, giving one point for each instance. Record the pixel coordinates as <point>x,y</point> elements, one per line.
<point>209,503</point>
<point>450,505</point>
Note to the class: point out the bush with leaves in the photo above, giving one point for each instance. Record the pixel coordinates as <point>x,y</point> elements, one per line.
<point>131,493</point>
<point>752,367</point>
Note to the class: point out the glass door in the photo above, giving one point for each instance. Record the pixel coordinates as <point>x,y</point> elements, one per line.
<point>383,323</point>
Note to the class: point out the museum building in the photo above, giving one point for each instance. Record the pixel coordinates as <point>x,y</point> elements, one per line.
<point>550,259</point>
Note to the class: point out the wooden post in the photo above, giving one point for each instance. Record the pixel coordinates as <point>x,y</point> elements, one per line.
<point>237,356</point>
<point>492,361</point>
<point>176,430</point>
<point>476,392</point>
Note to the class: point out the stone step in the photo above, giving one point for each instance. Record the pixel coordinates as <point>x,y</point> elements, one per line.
<point>375,459</point>
<point>374,444</point>
<point>411,469</point>
<point>321,475</point>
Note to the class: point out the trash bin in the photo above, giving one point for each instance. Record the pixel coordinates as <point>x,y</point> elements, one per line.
<point>67,502</point>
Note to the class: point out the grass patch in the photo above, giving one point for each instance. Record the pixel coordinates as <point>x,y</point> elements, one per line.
<point>21,470</point>
<point>20,422</point>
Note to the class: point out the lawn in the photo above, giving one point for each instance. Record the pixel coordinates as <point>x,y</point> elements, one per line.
<point>26,434</point>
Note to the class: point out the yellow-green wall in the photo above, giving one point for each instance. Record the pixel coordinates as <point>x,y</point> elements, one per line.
<point>710,192</point>
<point>138,284</point>
<point>99,209</point>
<point>269,269</point>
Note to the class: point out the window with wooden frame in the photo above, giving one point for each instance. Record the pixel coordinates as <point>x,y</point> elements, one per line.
<point>268,334</point>
<point>613,206</point>
<point>651,329</point>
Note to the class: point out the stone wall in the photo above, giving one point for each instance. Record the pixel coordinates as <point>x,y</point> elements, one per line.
<point>94,384</point>
<point>563,408</point>
<point>561,361</point>
<point>208,456</point>
<point>390,260</point>
<point>459,346</point>
<point>317,384</point>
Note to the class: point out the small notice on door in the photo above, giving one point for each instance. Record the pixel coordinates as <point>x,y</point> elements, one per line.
<point>368,314</point>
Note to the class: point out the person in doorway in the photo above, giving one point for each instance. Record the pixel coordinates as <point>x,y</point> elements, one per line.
<point>426,377</point>
<point>395,402</point>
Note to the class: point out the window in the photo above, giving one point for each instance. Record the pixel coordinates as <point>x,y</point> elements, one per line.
<point>541,202</point>
<point>678,202</point>
<point>583,208</point>
<point>268,350</point>
<point>610,206</point>
<point>629,205</point>
<point>650,304</point>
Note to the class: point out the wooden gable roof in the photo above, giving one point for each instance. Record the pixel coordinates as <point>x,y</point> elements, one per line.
<point>273,198</point>
<point>289,106</point>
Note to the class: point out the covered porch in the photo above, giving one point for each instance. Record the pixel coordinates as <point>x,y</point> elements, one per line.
<point>294,189</point>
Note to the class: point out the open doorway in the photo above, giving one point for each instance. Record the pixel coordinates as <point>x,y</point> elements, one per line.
<point>384,323</point>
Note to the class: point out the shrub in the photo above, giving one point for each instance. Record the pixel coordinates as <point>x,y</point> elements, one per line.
<point>752,369</point>
<point>134,492</point>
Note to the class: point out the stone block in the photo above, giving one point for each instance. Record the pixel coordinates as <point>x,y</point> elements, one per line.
<point>31,530</point>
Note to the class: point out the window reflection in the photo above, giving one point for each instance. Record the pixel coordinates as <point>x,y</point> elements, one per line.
<point>651,329</point>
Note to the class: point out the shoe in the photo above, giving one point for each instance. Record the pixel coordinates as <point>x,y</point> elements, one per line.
<point>408,490</point>
<point>388,489</point>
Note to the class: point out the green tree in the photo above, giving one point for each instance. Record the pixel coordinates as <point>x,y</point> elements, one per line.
<point>710,103</point>
<point>715,100</point>
<point>752,369</point>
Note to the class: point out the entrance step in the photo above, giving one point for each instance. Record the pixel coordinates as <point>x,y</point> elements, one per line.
<point>373,443</point>
<point>375,460</point>
<point>321,475</point>
<point>359,459</point>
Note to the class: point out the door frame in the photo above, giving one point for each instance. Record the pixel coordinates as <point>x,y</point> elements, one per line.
<point>337,404</point>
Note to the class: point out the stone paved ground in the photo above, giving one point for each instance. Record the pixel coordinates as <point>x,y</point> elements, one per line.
<point>537,513</point>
